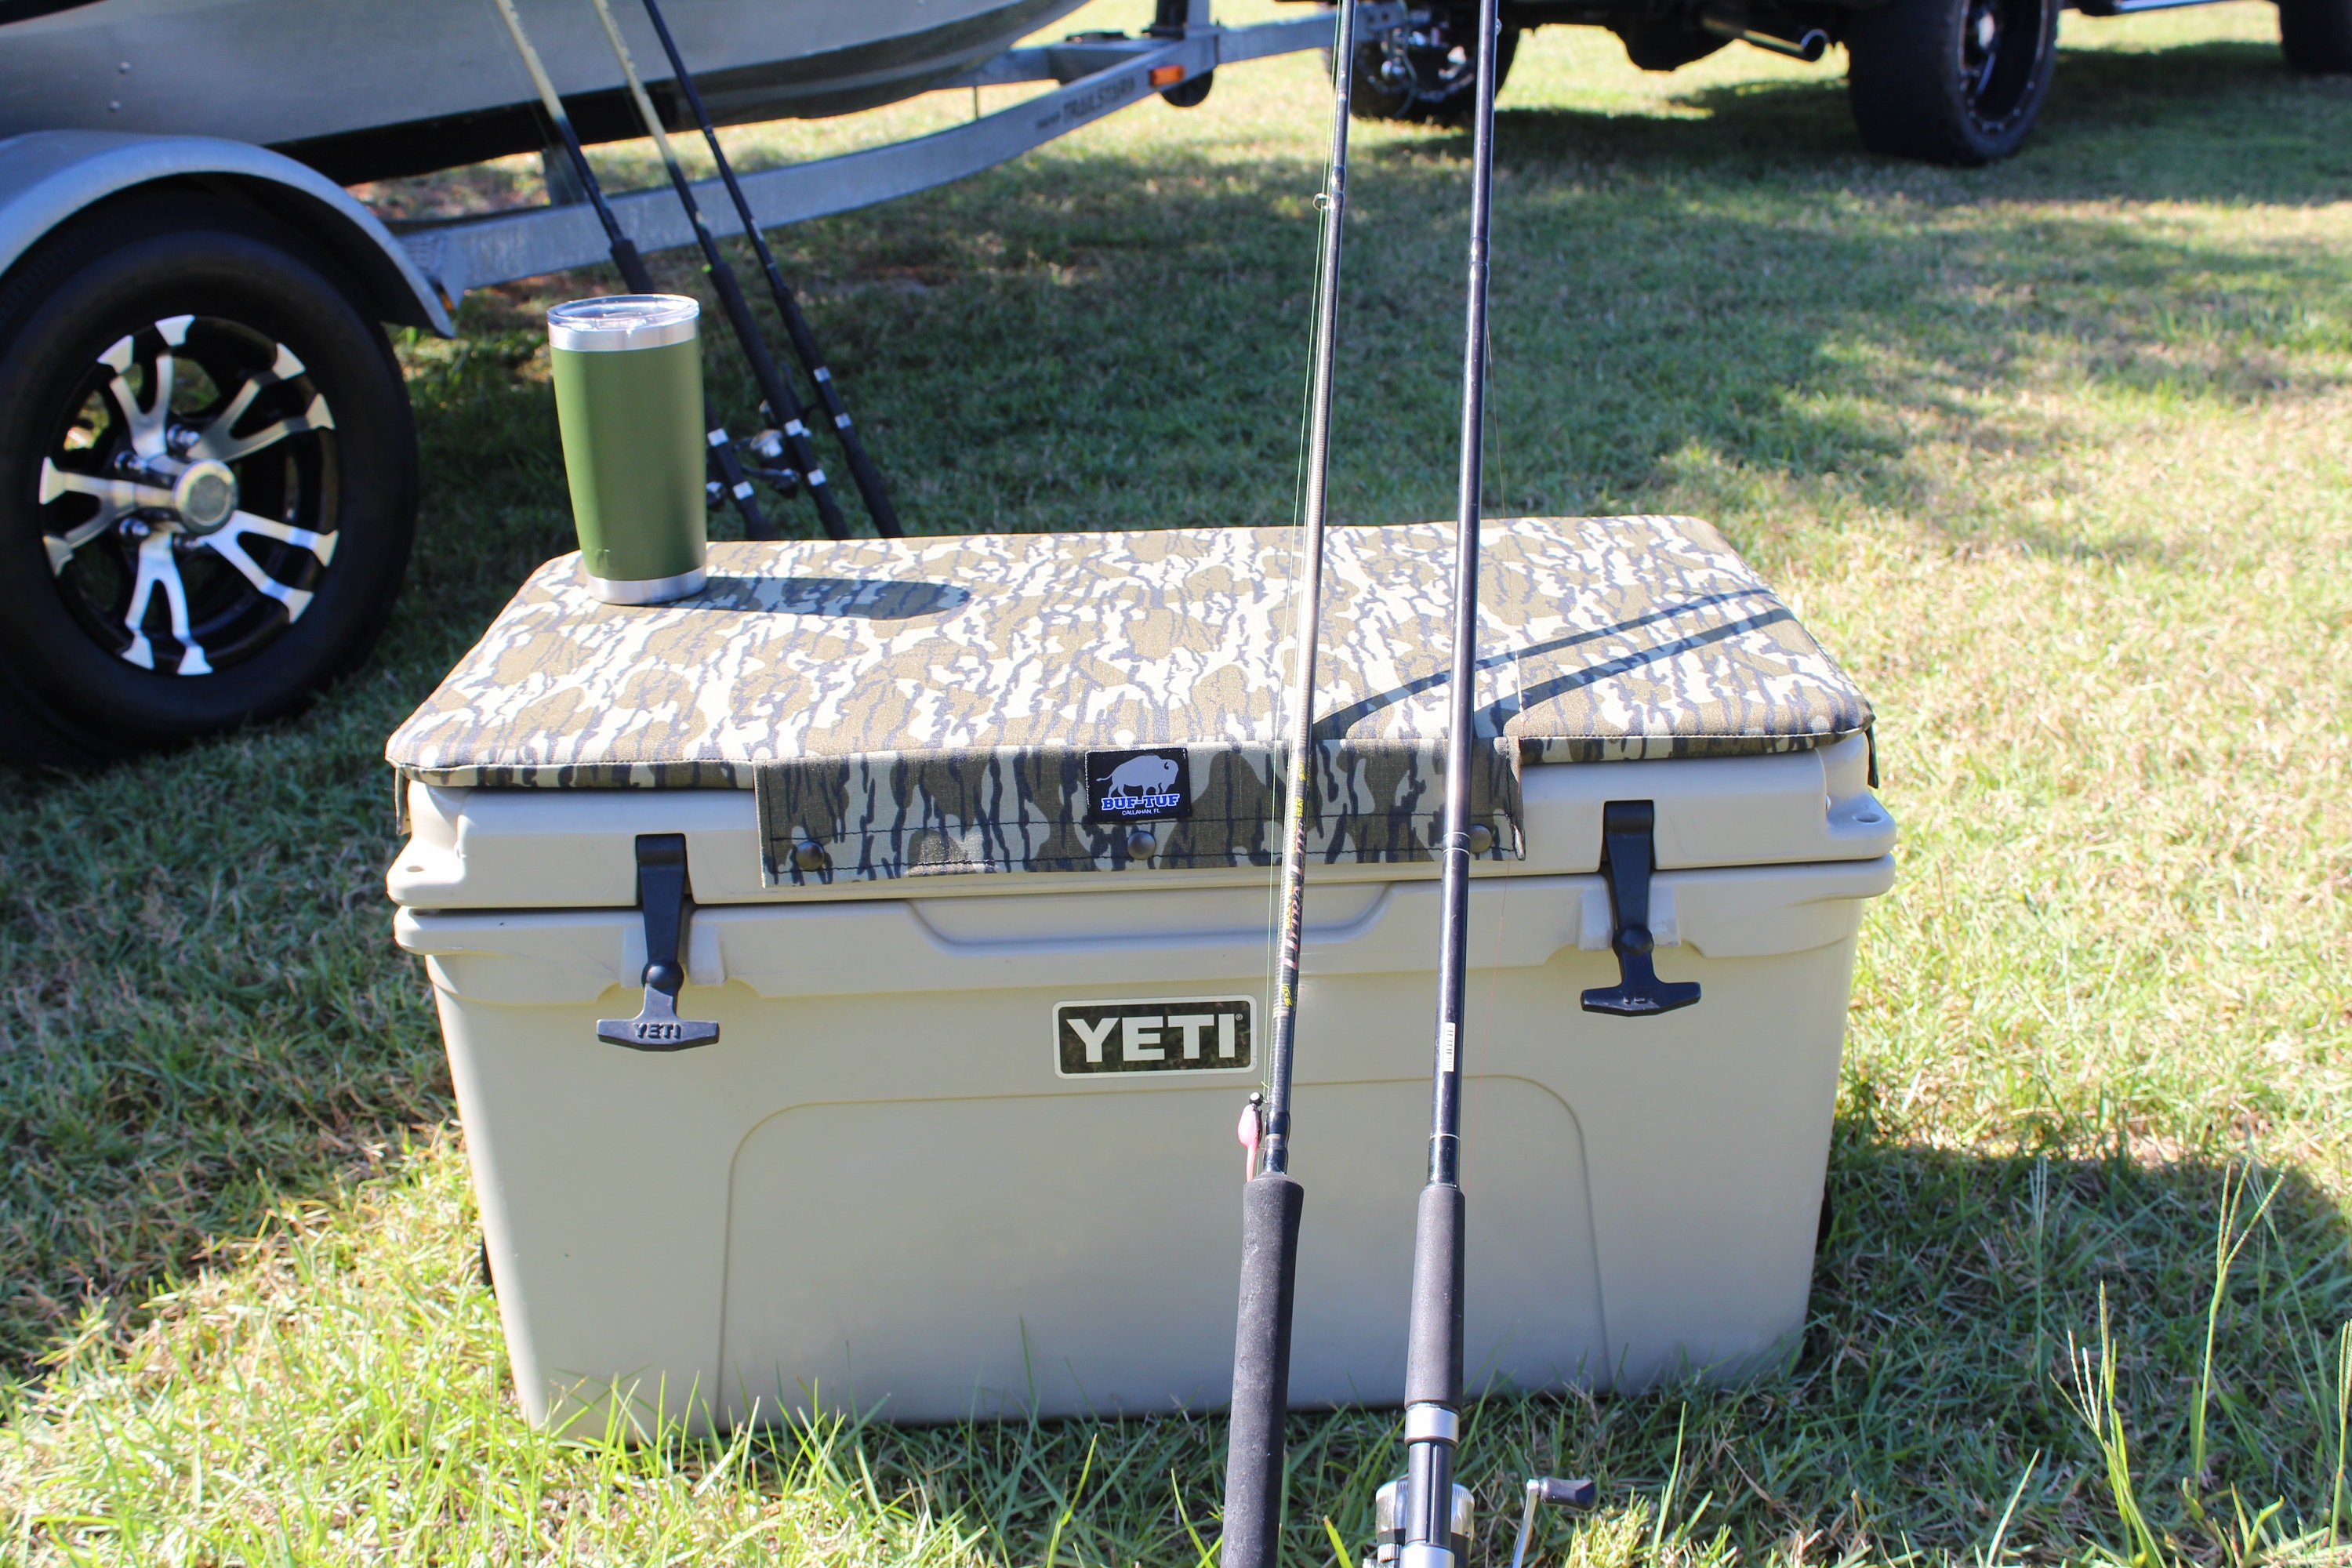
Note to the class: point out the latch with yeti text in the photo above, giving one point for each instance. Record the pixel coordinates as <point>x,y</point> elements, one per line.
<point>662,894</point>
<point>1628,853</point>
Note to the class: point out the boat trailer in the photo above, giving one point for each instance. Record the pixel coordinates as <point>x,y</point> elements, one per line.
<point>211,566</point>
<point>1096,76</point>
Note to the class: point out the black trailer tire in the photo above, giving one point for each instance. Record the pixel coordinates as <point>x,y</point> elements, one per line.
<point>2316,35</point>
<point>1190,94</point>
<point>1950,82</point>
<point>1426,74</point>
<point>149,603</point>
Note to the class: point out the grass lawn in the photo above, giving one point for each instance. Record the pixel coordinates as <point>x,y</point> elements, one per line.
<point>2057,456</point>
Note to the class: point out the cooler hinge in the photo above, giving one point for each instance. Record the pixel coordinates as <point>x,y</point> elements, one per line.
<point>1628,851</point>
<point>664,896</point>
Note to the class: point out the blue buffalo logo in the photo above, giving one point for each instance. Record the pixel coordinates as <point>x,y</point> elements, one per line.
<point>1124,786</point>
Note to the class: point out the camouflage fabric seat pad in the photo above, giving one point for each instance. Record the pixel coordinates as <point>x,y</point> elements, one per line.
<point>925,705</point>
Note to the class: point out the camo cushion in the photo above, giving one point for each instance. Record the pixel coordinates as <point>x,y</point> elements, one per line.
<point>930,705</point>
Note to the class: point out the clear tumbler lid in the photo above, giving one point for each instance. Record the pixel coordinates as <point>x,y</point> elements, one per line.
<point>623,321</point>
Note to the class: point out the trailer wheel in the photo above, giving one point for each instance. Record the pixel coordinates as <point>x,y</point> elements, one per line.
<point>1427,70</point>
<point>1950,82</point>
<point>2316,35</point>
<point>1190,94</point>
<point>207,480</point>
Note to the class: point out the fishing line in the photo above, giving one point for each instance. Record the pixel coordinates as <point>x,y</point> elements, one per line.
<point>1433,1378</point>
<point>1272,1199</point>
<point>1295,537</point>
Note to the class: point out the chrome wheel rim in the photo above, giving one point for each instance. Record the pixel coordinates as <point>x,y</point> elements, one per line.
<point>2001,42</point>
<point>187,495</point>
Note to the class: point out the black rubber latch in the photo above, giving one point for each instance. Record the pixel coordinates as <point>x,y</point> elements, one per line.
<point>662,895</point>
<point>1627,853</point>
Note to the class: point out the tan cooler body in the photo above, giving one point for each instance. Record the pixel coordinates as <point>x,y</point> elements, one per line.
<point>979,835</point>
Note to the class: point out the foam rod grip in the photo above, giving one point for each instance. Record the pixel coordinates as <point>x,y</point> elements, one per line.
<point>1432,1355</point>
<point>1270,1206</point>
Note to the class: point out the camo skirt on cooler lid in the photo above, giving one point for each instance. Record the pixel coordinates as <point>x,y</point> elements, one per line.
<point>1031,701</point>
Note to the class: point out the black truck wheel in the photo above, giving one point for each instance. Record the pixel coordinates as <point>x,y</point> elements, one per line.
<point>1427,70</point>
<point>1950,82</point>
<point>2316,35</point>
<point>207,480</point>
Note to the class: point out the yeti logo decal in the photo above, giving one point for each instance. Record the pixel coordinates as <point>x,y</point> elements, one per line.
<point>1181,1034</point>
<point>1138,786</point>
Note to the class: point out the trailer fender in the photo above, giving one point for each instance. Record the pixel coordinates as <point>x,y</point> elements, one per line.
<point>48,176</point>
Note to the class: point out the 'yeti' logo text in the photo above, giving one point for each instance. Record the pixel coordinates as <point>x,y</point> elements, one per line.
<point>1136,786</point>
<point>1184,1033</point>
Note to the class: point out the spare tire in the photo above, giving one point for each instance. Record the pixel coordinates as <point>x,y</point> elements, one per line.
<point>1653,43</point>
<point>2316,35</point>
<point>1426,71</point>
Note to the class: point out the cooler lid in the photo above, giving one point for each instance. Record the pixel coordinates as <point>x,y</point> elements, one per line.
<point>1026,701</point>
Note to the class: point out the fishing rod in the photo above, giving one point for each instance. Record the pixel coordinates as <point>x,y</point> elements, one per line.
<point>1424,1517</point>
<point>634,275</point>
<point>784,402</point>
<point>804,346</point>
<point>1271,1198</point>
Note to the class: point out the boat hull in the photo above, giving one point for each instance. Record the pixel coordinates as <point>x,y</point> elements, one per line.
<point>370,89</point>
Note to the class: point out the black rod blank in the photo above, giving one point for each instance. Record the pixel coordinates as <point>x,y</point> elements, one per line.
<point>784,402</point>
<point>1434,1343</point>
<point>1272,1199</point>
<point>634,275</point>
<point>870,487</point>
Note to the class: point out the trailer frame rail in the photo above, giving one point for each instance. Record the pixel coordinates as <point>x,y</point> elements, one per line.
<point>1098,76</point>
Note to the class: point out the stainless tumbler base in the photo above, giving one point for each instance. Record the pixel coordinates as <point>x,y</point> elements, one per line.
<point>648,590</point>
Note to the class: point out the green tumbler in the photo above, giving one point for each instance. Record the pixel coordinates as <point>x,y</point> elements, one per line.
<point>628,396</point>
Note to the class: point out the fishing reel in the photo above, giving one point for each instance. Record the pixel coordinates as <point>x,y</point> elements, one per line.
<point>771,465</point>
<point>1543,1492</point>
<point>1388,1524</point>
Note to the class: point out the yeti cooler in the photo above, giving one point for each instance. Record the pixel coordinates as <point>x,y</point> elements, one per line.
<point>953,860</point>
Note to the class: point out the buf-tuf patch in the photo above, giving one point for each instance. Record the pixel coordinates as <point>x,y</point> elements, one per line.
<point>1151,785</point>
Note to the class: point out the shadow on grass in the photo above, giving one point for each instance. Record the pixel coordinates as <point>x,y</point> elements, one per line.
<point>2211,122</point>
<point>1952,1296</point>
<point>200,1004</point>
